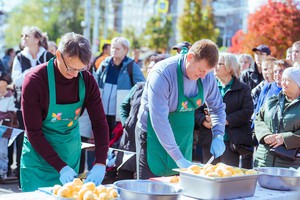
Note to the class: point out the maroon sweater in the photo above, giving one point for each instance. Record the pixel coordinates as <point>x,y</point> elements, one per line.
<point>35,102</point>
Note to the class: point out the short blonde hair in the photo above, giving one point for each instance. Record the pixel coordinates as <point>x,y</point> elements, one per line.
<point>121,40</point>
<point>231,64</point>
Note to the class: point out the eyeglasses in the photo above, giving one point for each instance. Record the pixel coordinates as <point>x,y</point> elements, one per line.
<point>70,69</point>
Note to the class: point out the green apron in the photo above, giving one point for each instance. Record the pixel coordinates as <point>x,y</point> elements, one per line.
<point>182,124</point>
<point>61,130</point>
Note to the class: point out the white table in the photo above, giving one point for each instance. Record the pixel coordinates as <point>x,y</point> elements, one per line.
<point>260,194</point>
<point>266,194</point>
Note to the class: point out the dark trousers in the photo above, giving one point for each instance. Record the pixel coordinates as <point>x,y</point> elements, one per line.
<point>19,144</point>
<point>124,174</point>
<point>87,156</point>
<point>111,121</point>
<point>141,148</point>
<point>82,156</point>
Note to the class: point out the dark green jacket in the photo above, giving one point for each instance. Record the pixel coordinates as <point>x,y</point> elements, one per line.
<point>266,124</point>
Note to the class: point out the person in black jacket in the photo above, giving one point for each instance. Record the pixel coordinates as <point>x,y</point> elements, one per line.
<point>253,76</point>
<point>239,108</point>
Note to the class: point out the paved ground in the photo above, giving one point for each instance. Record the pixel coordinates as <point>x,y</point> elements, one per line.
<point>6,187</point>
<point>13,185</point>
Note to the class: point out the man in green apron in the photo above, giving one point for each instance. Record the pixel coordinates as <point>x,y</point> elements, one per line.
<point>54,96</point>
<point>175,88</point>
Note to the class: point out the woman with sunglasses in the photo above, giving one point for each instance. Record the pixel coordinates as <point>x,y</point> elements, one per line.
<point>54,96</point>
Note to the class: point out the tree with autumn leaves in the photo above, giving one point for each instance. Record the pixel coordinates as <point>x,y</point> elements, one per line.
<point>276,24</point>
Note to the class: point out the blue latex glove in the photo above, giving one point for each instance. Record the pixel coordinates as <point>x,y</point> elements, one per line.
<point>183,163</point>
<point>96,174</point>
<point>217,147</point>
<point>67,174</point>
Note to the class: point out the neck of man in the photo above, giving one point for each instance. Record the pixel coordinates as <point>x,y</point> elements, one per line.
<point>259,68</point>
<point>117,61</point>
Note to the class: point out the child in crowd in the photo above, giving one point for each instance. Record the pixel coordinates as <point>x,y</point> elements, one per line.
<point>7,110</point>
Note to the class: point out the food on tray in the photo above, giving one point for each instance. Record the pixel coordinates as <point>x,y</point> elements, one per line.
<point>175,179</point>
<point>251,171</point>
<point>219,170</point>
<point>88,191</point>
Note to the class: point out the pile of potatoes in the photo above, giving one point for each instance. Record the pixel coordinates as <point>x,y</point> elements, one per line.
<point>78,191</point>
<point>175,179</point>
<point>219,170</point>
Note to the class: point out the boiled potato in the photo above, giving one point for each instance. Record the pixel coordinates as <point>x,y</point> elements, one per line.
<point>219,170</point>
<point>213,175</point>
<point>56,188</point>
<point>77,182</point>
<point>99,189</point>
<point>195,169</point>
<point>90,185</point>
<point>103,196</point>
<point>82,192</point>
<point>64,192</point>
<point>79,191</point>
<point>113,193</point>
<point>89,195</point>
<point>71,186</point>
<point>250,172</point>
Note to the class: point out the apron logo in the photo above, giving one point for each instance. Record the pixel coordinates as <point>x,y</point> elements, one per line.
<point>184,105</point>
<point>199,102</point>
<point>56,117</point>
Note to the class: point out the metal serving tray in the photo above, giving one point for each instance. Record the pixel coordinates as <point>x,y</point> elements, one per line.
<point>203,187</point>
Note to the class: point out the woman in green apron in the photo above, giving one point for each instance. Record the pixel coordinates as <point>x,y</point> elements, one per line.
<point>54,96</point>
<point>174,89</point>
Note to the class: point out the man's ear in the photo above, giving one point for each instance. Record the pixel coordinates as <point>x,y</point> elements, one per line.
<point>57,54</point>
<point>190,56</point>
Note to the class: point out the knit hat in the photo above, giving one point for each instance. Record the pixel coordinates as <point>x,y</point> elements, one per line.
<point>293,73</point>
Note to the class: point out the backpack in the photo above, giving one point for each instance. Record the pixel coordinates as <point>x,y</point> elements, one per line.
<point>26,64</point>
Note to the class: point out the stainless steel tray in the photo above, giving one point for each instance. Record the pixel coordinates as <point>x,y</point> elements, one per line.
<point>277,178</point>
<point>203,187</point>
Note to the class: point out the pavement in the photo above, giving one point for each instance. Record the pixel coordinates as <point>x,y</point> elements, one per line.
<point>11,184</point>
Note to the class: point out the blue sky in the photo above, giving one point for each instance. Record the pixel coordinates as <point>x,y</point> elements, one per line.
<point>9,4</point>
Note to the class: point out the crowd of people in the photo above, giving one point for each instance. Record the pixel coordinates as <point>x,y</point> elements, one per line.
<point>158,114</point>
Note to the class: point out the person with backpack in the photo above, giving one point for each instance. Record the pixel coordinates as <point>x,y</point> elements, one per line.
<point>34,53</point>
<point>116,76</point>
